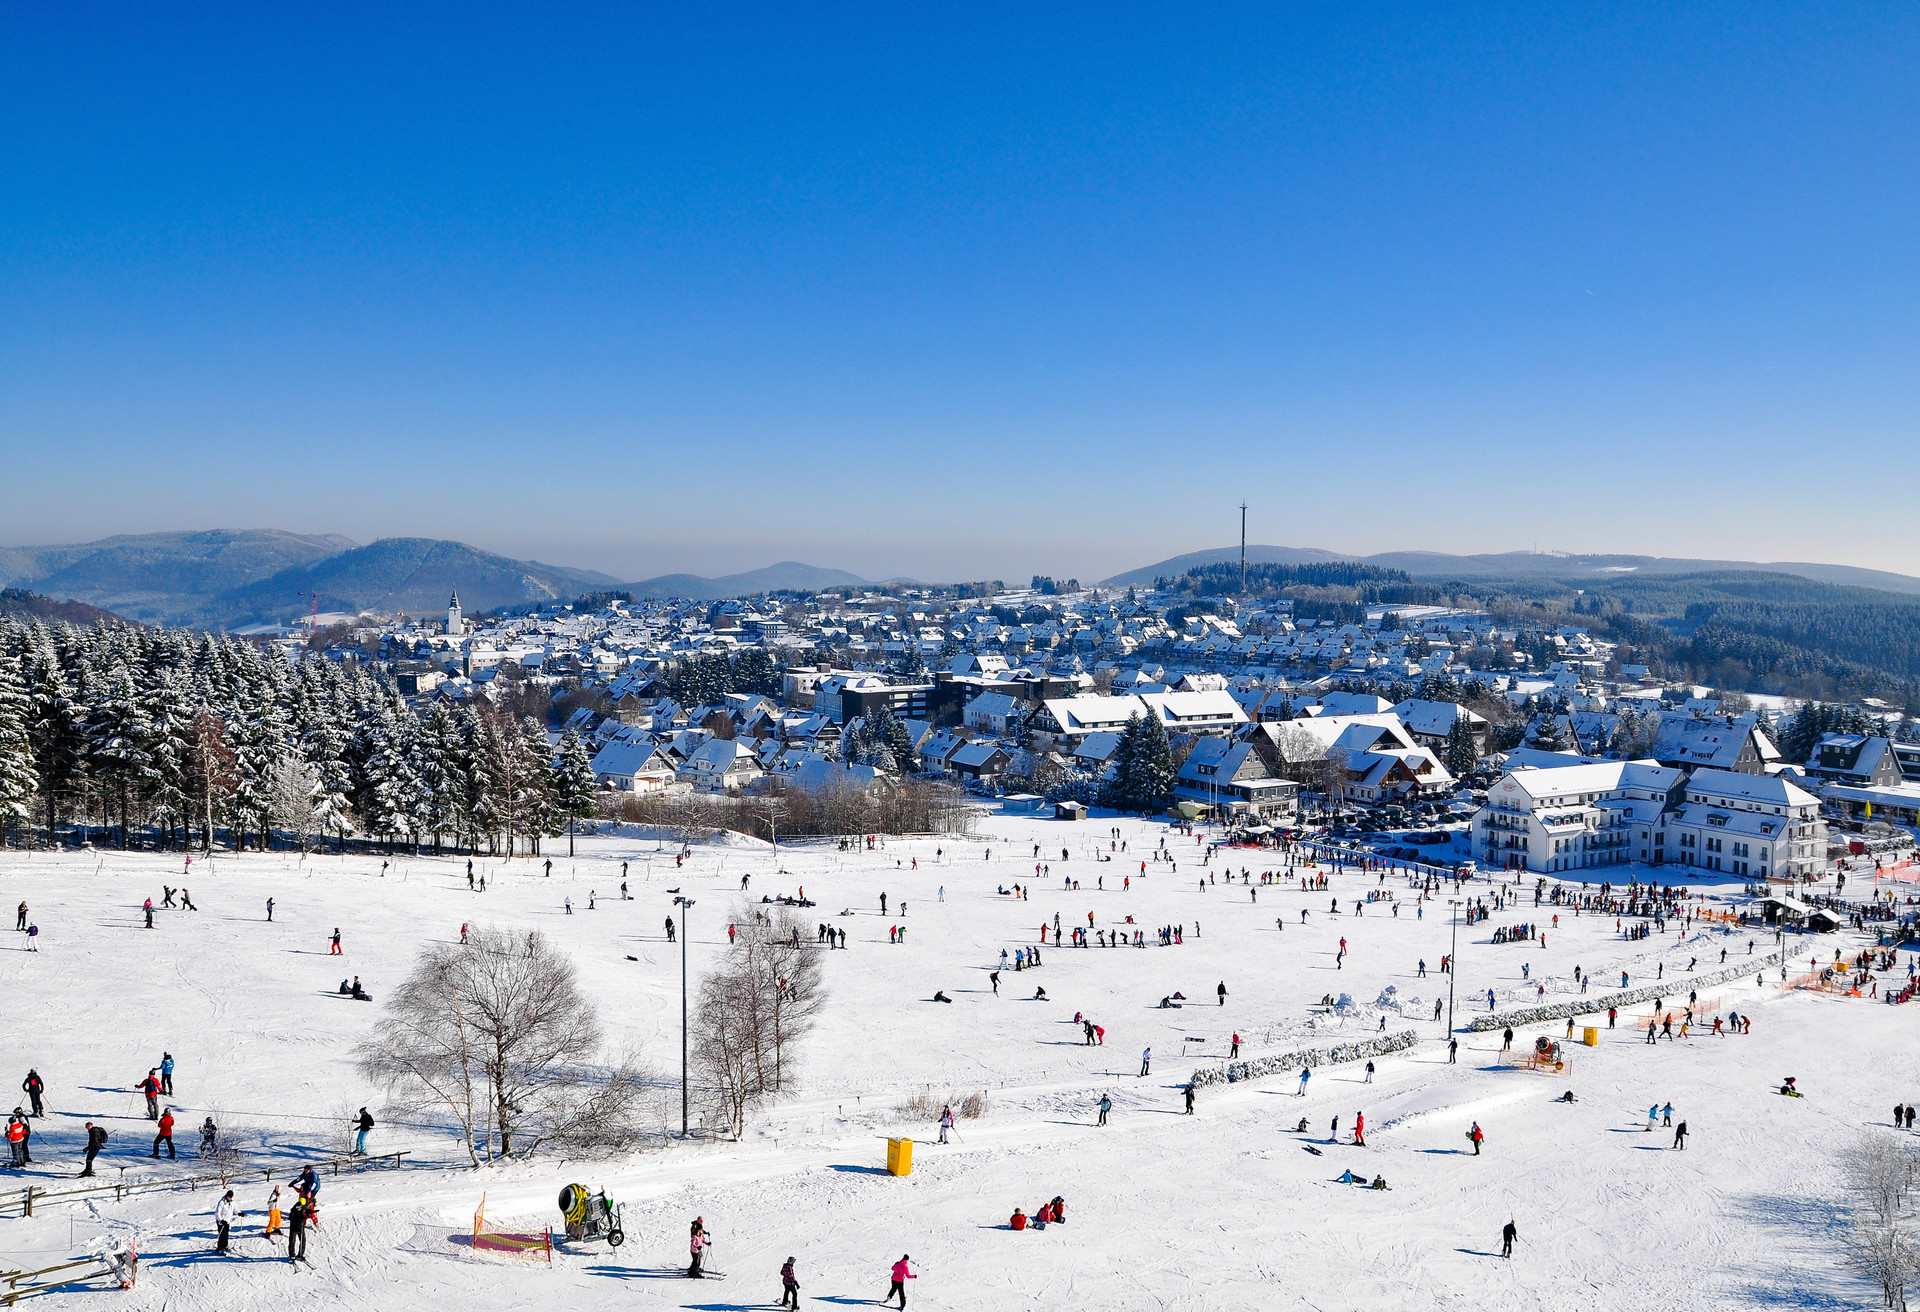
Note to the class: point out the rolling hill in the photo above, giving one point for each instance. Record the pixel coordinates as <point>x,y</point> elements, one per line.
<point>787,575</point>
<point>1438,566</point>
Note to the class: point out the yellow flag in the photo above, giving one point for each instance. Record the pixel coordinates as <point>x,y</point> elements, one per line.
<point>1869,810</point>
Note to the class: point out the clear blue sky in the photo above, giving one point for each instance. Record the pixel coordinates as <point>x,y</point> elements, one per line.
<point>1007,289</point>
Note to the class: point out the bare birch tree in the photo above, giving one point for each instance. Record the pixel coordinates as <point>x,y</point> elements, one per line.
<point>497,1034</point>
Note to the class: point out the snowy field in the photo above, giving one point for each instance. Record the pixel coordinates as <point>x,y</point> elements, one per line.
<point>1222,1210</point>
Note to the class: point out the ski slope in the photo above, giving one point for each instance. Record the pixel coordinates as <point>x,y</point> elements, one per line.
<point>1221,1210</point>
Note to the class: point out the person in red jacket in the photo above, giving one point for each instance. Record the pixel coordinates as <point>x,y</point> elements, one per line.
<point>1017,1222</point>
<point>151,1088</point>
<point>1360,1129</point>
<point>165,1136</point>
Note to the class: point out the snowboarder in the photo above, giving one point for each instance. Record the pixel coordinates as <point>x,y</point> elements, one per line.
<point>1146,1061</point>
<point>901,1274</point>
<point>333,948</point>
<point>789,1287</point>
<point>1369,1079</point>
<point>269,911</point>
<point>363,1125</point>
<point>1222,991</point>
<point>1478,1136</point>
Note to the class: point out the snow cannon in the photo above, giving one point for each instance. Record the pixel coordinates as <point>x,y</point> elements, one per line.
<point>590,1215</point>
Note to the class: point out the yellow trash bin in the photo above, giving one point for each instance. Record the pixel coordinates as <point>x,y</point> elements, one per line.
<point>1591,1037</point>
<point>899,1157</point>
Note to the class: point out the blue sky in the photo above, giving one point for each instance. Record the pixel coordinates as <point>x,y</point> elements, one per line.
<point>1003,290</point>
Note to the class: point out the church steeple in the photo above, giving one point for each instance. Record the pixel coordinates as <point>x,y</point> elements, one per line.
<point>453,613</point>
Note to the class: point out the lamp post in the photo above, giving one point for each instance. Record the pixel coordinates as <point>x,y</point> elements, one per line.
<point>1453,960</point>
<point>685,904</point>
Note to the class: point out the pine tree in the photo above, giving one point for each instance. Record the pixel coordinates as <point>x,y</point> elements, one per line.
<point>576,796</point>
<point>117,741</point>
<point>1462,753</point>
<point>55,730</point>
<point>17,777</point>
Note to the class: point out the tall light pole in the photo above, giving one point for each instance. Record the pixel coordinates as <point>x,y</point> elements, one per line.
<point>1243,549</point>
<point>1453,961</point>
<point>685,904</point>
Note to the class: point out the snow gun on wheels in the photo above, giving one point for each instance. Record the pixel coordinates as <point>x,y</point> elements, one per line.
<point>591,1216</point>
<point>1546,1056</point>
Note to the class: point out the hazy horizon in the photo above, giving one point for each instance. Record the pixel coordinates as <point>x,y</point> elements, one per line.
<point>964,295</point>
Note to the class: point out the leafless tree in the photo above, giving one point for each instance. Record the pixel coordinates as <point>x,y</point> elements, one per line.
<point>1880,1173</point>
<point>754,1009</point>
<point>497,1034</point>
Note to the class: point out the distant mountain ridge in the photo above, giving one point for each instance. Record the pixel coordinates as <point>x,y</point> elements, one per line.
<point>787,575</point>
<point>233,578</point>
<point>1438,566</point>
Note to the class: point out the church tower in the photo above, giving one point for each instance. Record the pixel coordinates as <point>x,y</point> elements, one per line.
<point>453,615</point>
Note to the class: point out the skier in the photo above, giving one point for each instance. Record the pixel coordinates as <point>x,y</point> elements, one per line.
<point>1305,1075</point>
<point>166,1074</point>
<point>273,1215</point>
<point>946,1122</point>
<point>165,1136</point>
<point>1360,1129</point>
<point>223,1215</point>
<point>789,1287</point>
<point>297,1228</point>
<point>1234,1051</point>
<point>1369,1079</point>
<point>1453,1051</point>
<point>1680,1135</point>
<point>333,949</point>
<point>697,1245</point>
<point>1146,1061</point>
<point>209,1137</point>
<point>1189,1093</point>
<point>147,906</point>
<point>1106,1105</point>
<point>151,1088</point>
<point>34,1086</point>
<point>1508,1233</point>
<point>901,1274</point>
<point>96,1140</point>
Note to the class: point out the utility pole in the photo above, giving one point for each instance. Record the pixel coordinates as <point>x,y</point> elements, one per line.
<point>685,904</point>
<point>1453,962</point>
<point>1243,548</point>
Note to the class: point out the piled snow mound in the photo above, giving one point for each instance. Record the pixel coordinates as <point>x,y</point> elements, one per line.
<point>1389,999</point>
<point>1345,1002</point>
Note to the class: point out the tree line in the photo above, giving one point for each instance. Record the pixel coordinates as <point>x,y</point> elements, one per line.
<point>170,737</point>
